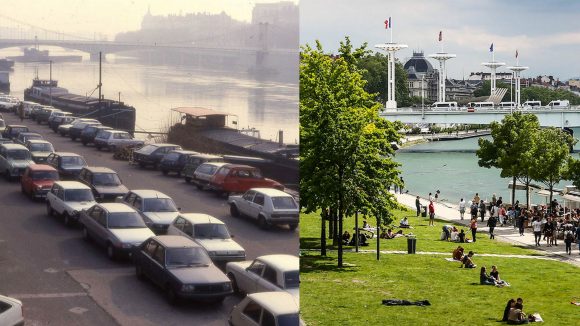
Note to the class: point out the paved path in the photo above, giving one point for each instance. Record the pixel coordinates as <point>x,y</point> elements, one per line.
<point>449,212</point>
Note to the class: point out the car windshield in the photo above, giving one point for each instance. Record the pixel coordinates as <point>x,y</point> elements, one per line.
<point>18,154</point>
<point>125,220</point>
<point>284,203</point>
<point>147,149</point>
<point>78,195</point>
<point>159,205</point>
<point>41,147</point>
<point>288,320</point>
<point>106,179</point>
<point>123,135</point>
<point>211,231</point>
<point>72,160</point>
<point>291,280</point>
<point>183,257</point>
<point>44,175</point>
<point>171,157</point>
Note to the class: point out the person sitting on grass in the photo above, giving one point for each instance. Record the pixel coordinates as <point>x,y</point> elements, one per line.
<point>454,235</point>
<point>484,278</point>
<point>461,236</point>
<point>458,253</point>
<point>506,312</point>
<point>495,274</point>
<point>345,237</point>
<point>362,240</point>
<point>404,223</point>
<point>467,262</point>
<point>446,234</point>
<point>517,316</point>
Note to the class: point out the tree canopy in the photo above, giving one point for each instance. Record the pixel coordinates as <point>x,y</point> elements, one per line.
<point>547,95</point>
<point>374,68</point>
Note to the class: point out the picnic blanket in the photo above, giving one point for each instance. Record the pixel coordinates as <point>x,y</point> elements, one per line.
<point>397,302</point>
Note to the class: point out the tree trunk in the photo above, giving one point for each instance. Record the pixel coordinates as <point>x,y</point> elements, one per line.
<point>323,217</point>
<point>330,218</point>
<point>340,212</point>
<point>528,195</point>
<point>335,227</point>
<point>378,237</point>
<point>513,192</point>
<point>551,188</point>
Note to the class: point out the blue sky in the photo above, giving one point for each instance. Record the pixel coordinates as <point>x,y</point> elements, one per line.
<point>545,33</point>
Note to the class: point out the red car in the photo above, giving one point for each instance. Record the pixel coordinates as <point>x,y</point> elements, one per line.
<point>234,178</point>
<point>38,179</point>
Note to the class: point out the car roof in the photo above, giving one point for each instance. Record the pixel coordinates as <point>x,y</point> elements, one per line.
<point>66,154</point>
<point>241,166</point>
<point>149,193</point>
<point>272,192</point>
<point>41,167</point>
<point>28,133</point>
<point>116,207</point>
<point>218,164</point>
<point>183,151</point>
<point>204,155</point>
<point>13,146</point>
<point>99,169</point>
<point>38,141</point>
<point>278,302</point>
<point>283,262</point>
<point>164,145</point>
<point>72,185</point>
<point>118,131</point>
<point>198,218</point>
<point>16,126</point>
<point>175,241</point>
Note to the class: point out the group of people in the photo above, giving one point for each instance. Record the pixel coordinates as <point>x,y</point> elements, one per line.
<point>514,314</point>
<point>492,278</point>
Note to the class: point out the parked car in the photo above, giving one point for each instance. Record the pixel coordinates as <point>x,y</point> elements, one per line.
<point>39,149</point>
<point>24,136</point>
<point>152,154</point>
<point>77,126</point>
<point>64,122</point>
<point>28,106</point>
<point>88,134</point>
<point>212,234</point>
<point>5,141</point>
<point>68,165</point>
<point>203,174</point>
<point>113,139</point>
<point>157,209</point>
<point>14,159</point>
<point>34,111</point>
<point>45,113</point>
<point>267,206</point>
<point>196,160</point>
<point>67,199</point>
<point>37,180</point>
<point>266,273</point>
<point>266,308</point>
<point>174,161</point>
<point>8,103</point>
<point>235,178</point>
<point>115,226</point>
<point>56,118</point>
<point>11,311</point>
<point>104,183</point>
<point>12,131</point>
<point>2,126</point>
<point>181,268</point>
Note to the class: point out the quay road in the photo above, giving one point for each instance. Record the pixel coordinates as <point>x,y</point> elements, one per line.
<point>64,280</point>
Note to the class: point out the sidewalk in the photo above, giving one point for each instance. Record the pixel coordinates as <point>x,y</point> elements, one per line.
<point>449,212</point>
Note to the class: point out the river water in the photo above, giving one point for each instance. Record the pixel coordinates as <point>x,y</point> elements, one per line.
<point>451,167</point>
<point>267,103</point>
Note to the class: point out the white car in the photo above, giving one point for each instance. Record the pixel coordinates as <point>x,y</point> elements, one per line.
<point>212,234</point>
<point>204,173</point>
<point>266,308</point>
<point>68,199</point>
<point>266,205</point>
<point>156,208</point>
<point>8,103</point>
<point>113,139</point>
<point>266,273</point>
<point>11,312</point>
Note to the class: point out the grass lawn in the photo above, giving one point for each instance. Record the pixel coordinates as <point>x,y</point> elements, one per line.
<point>427,237</point>
<point>353,295</point>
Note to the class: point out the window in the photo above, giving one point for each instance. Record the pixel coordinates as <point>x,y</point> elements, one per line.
<point>159,255</point>
<point>44,175</point>
<point>291,279</point>
<point>259,199</point>
<point>249,196</point>
<point>78,195</point>
<point>150,248</point>
<point>270,275</point>
<point>125,220</point>
<point>211,231</point>
<point>187,257</point>
<point>171,157</point>
<point>243,173</point>
<point>257,267</point>
<point>159,205</point>
<point>268,319</point>
<point>284,203</point>
<point>253,311</point>
<point>179,222</point>
<point>106,179</point>
<point>188,228</point>
<point>138,203</point>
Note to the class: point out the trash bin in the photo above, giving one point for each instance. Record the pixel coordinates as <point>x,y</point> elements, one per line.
<point>424,212</point>
<point>411,244</point>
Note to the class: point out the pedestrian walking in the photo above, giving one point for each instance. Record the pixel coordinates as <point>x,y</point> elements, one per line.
<point>402,185</point>
<point>578,238</point>
<point>473,227</point>
<point>418,205</point>
<point>21,111</point>
<point>476,198</point>
<point>462,208</point>
<point>482,209</point>
<point>431,214</point>
<point>492,222</point>
<point>473,209</point>
<point>537,226</point>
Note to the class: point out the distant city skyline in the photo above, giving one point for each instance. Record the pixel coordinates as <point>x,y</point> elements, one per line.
<point>545,34</point>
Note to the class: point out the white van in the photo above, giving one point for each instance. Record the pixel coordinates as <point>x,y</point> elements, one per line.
<point>507,105</point>
<point>532,105</point>
<point>444,106</point>
<point>559,104</point>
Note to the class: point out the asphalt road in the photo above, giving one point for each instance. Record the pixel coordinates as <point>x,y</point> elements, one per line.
<point>64,280</point>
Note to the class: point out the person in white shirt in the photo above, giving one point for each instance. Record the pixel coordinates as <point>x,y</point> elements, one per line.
<point>462,208</point>
<point>404,223</point>
<point>537,226</point>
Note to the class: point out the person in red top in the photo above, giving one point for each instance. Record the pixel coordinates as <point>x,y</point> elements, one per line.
<point>473,227</point>
<point>431,213</point>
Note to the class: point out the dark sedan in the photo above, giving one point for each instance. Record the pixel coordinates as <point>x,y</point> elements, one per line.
<point>68,165</point>
<point>182,268</point>
<point>174,161</point>
<point>152,154</point>
<point>104,183</point>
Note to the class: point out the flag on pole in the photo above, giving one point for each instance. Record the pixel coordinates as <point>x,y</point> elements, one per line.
<point>491,48</point>
<point>440,36</point>
<point>388,23</point>
<point>516,54</point>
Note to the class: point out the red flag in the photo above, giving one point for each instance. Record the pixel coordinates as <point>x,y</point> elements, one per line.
<point>387,25</point>
<point>516,53</point>
<point>440,36</point>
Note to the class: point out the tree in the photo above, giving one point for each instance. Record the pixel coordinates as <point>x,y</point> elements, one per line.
<point>573,172</point>
<point>546,95</point>
<point>375,70</point>
<point>511,148</point>
<point>485,90</point>
<point>346,157</point>
<point>552,156</point>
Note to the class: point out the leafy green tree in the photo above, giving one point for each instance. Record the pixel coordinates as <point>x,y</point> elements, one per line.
<point>546,95</point>
<point>552,154</point>
<point>511,148</point>
<point>573,172</point>
<point>346,157</point>
<point>375,70</point>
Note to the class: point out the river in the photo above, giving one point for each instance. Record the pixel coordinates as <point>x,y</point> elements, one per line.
<point>441,165</point>
<point>267,103</point>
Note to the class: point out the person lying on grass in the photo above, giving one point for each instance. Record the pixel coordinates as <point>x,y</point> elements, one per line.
<point>467,262</point>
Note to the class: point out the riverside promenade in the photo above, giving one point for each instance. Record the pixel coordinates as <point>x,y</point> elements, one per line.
<point>450,212</point>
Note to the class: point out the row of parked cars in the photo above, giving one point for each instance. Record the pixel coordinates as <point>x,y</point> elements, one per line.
<point>189,255</point>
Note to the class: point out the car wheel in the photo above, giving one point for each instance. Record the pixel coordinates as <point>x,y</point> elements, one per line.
<point>165,172</point>
<point>98,147</point>
<point>188,179</point>
<point>234,282</point>
<point>234,212</point>
<point>111,251</point>
<point>139,273</point>
<point>49,210</point>
<point>84,143</point>
<point>7,176</point>
<point>170,295</point>
<point>86,234</point>
<point>262,222</point>
<point>293,226</point>
<point>66,219</point>
<point>141,164</point>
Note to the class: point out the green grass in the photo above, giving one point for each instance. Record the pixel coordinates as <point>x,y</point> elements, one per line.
<point>353,295</point>
<point>427,237</point>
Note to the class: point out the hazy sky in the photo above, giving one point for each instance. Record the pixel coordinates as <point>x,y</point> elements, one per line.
<point>545,33</point>
<point>108,17</point>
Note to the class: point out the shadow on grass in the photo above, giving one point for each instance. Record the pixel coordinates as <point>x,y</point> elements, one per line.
<point>321,264</point>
